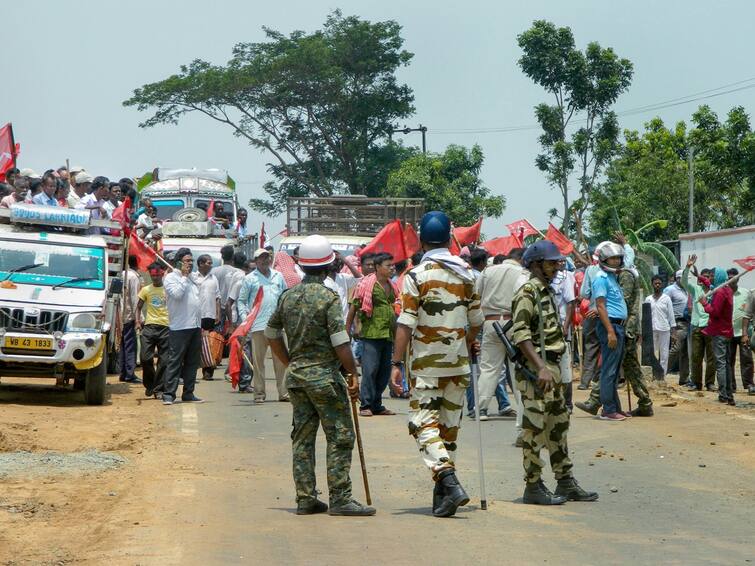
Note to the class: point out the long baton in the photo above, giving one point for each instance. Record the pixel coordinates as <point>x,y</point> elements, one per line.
<point>475,390</point>
<point>355,414</point>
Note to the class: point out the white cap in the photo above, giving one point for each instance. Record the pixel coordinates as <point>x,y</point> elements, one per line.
<point>83,177</point>
<point>261,251</point>
<point>76,169</point>
<point>27,172</point>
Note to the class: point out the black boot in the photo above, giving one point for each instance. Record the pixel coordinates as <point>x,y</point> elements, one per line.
<point>438,494</point>
<point>569,488</point>
<point>587,407</point>
<point>643,411</point>
<point>454,495</point>
<point>535,493</point>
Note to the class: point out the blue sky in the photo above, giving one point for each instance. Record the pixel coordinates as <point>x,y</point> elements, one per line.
<point>74,62</point>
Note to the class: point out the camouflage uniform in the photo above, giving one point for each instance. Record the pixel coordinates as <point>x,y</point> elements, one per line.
<point>630,285</point>
<point>546,419</point>
<point>440,305</point>
<point>312,318</point>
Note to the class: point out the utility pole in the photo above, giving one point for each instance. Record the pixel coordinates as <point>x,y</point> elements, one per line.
<point>691,180</point>
<point>406,130</point>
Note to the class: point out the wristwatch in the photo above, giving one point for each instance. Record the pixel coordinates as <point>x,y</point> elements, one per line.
<point>397,363</point>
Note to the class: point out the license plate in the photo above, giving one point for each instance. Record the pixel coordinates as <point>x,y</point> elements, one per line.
<point>28,343</point>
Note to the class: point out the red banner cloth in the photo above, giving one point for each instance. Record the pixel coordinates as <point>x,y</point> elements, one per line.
<point>263,236</point>
<point>143,253</point>
<point>235,357</point>
<point>747,263</point>
<point>564,244</point>
<point>411,240</point>
<point>521,229</point>
<point>389,240</point>
<point>122,215</point>
<point>8,150</point>
<point>466,235</point>
<point>285,264</point>
<point>502,245</point>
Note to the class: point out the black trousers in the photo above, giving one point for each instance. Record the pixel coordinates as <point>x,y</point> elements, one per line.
<point>185,356</point>
<point>154,338</point>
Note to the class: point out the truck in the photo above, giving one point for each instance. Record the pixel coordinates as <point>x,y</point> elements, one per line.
<point>182,198</point>
<point>60,296</point>
<point>348,221</point>
<point>718,248</point>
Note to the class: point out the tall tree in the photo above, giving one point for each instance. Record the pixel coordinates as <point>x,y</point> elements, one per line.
<point>321,104</point>
<point>448,181</point>
<point>584,85</point>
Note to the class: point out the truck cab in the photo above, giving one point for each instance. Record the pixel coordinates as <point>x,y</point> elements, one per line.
<point>60,287</point>
<point>182,198</point>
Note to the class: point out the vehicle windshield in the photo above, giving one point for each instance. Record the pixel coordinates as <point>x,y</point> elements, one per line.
<point>344,249</point>
<point>58,263</point>
<point>166,208</point>
<point>204,204</point>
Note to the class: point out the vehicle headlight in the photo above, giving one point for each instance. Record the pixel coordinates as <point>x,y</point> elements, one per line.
<point>84,321</point>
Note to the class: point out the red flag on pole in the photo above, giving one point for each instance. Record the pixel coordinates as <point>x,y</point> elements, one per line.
<point>522,228</point>
<point>502,245</point>
<point>747,263</point>
<point>389,240</point>
<point>466,235</point>
<point>211,211</point>
<point>8,150</point>
<point>235,356</point>
<point>564,244</point>
<point>122,215</point>
<point>143,253</point>
<point>411,240</point>
<point>263,236</point>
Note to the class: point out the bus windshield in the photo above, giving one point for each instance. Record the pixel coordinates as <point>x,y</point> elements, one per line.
<point>51,264</point>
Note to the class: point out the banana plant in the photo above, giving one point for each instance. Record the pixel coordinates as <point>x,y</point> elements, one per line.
<point>646,252</point>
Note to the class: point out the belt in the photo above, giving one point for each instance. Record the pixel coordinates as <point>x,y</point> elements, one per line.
<point>498,317</point>
<point>619,321</point>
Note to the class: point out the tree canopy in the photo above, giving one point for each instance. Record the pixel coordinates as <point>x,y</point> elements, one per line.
<point>448,181</point>
<point>584,85</point>
<point>320,104</point>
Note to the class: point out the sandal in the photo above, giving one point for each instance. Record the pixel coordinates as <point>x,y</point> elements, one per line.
<point>385,413</point>
<point>365,413</point>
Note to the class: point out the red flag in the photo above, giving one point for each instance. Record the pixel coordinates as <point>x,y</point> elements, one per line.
<point>285,264</point>
<point>411,240</point>
<point>389,240</point>
<point>122,215</point>
<point>263,236</point>
<point>564,244</point>
<point>143,253</point>
<point>8,150</point>
<point>211,210</point>
<point>235,357</point>
<point>466,235</point>
<point>283,233</point>
<point>455,248</point>
<point>502,245</point>
<point>747,263</point>
<point>522,228</point>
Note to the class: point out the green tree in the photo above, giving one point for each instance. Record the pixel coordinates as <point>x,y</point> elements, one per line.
<point>448,181</point>
<point>585,85</point>
<point>321,104</point>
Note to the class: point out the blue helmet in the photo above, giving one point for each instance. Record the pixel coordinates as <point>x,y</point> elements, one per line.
<point>435,228</point>
<point>544,250</point>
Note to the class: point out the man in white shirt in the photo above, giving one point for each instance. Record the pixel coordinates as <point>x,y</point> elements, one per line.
<point>342,283</point>
<point>185,333</point>
<point>209,302</point>
<point>227,276</point>
<point>496,287</point>
<point>80,185</point>
<point>127,355</point>
<point>662,310</point>
<point>95,201</point>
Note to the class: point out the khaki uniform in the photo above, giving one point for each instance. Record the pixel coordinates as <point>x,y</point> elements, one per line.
<point>312,318</point>
<point>546,418</point>
<point>440,305</point>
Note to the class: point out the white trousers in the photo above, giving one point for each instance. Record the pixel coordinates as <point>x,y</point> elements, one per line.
<point>661,340</point>
<point>492,358</point>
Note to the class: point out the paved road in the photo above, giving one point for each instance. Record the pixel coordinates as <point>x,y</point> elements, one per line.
<point>228,497</point>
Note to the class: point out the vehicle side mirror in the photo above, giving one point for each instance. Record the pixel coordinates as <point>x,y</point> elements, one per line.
<point>116,286</point>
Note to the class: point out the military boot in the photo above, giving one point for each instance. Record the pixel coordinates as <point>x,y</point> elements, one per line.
<point>311,508</point>
<point>438,494</point>
<point>643,411</point>
<point>535,493</point>
<point>454,495</point>
<point>352,509</point>
<point>587,407</point>
<point>569,488</point>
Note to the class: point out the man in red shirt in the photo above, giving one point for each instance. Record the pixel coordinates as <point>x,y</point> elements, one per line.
<point>721,331</point>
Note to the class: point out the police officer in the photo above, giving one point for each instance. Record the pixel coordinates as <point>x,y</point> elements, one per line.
<point>318,345</point>
<point>539,335</point>
<point>441,317</point>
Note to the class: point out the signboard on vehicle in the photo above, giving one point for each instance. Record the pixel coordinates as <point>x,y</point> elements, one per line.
<point>49,215</point>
